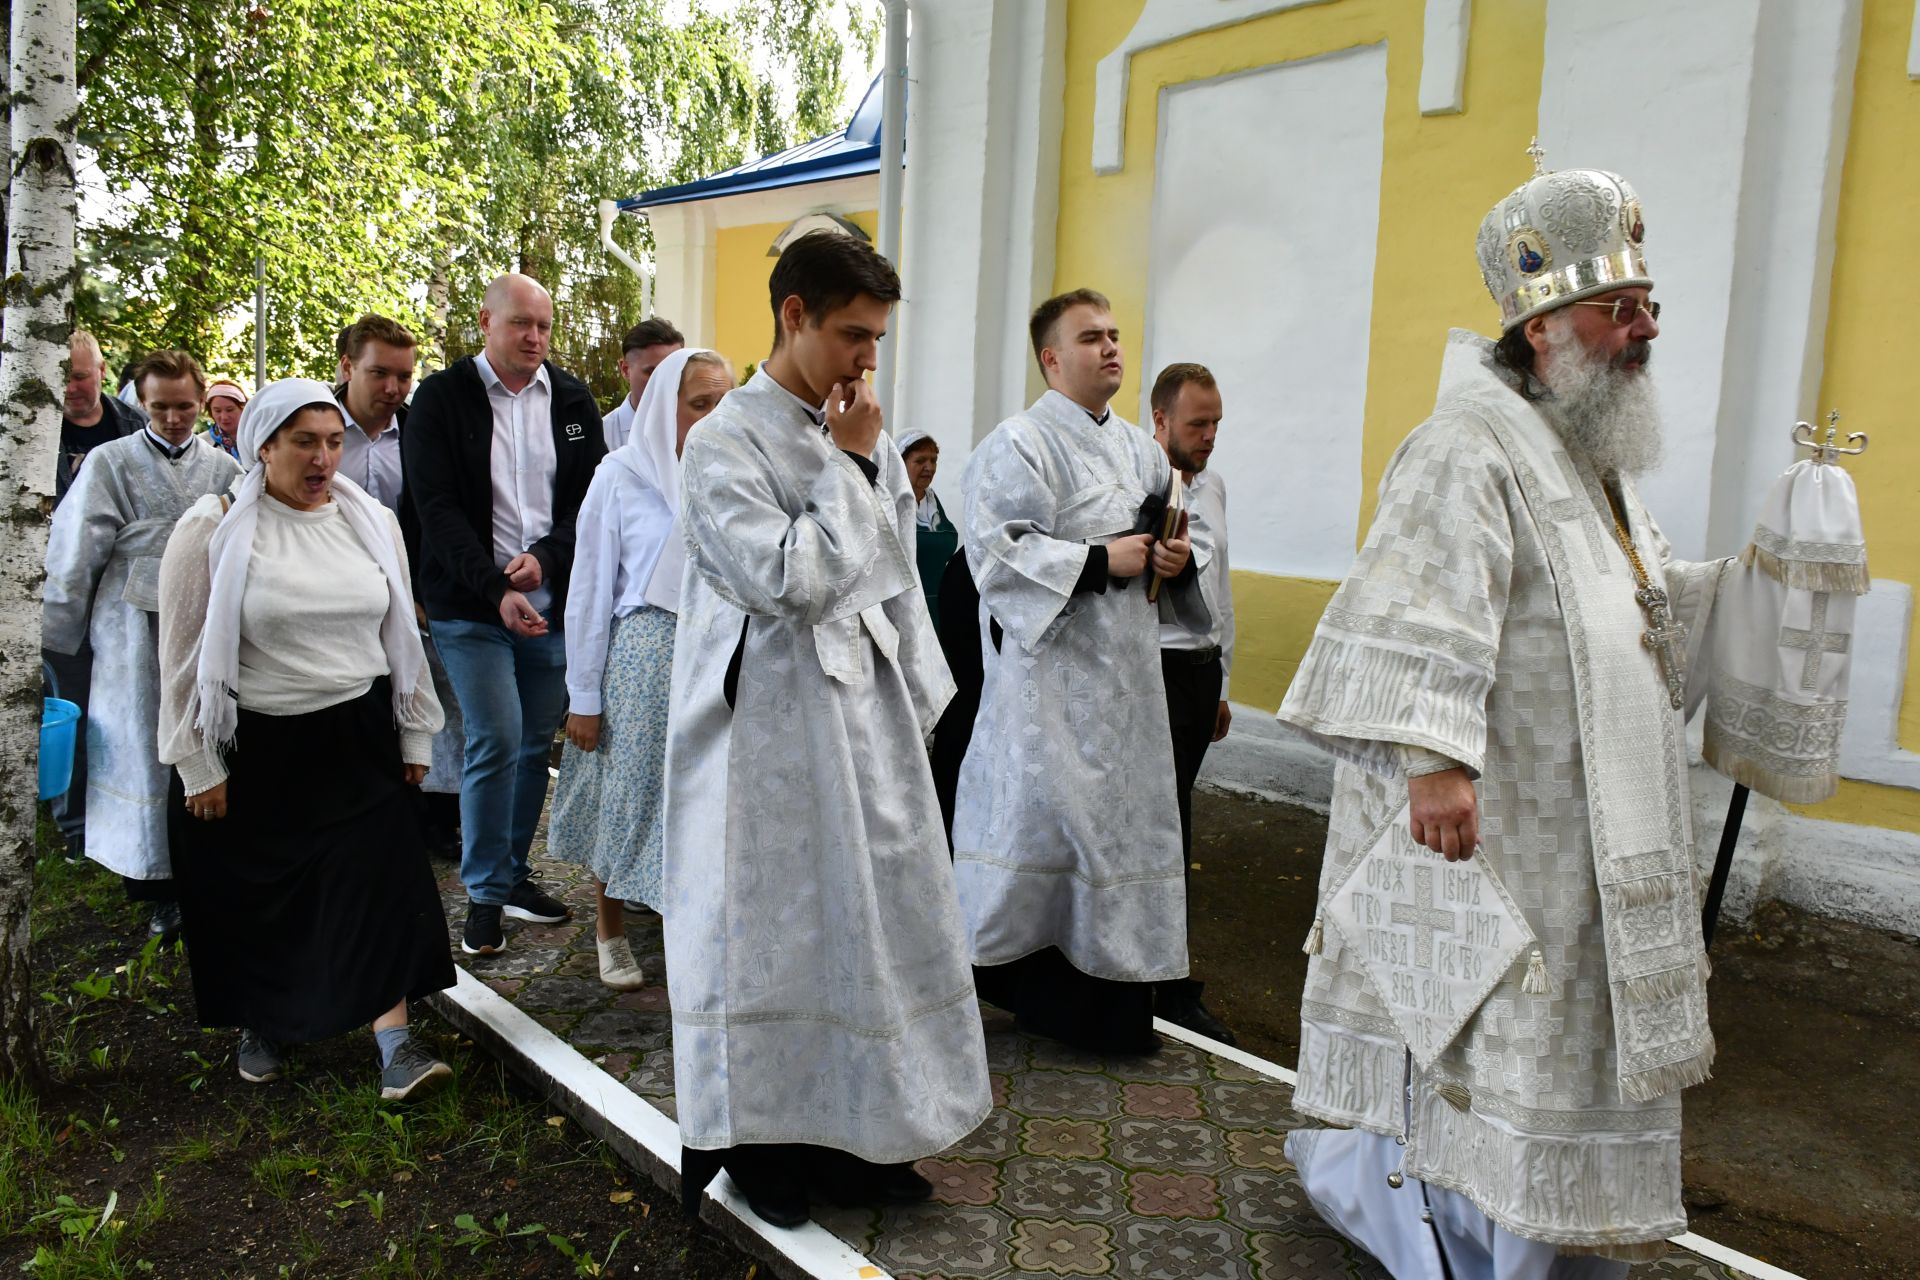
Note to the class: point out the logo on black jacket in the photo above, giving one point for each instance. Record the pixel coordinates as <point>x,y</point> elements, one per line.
<point>575,431</point>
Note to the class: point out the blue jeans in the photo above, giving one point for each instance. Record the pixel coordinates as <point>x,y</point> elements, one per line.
<point>513,692</point>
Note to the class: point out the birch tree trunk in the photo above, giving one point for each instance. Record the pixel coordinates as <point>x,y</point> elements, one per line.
<point>38,293</point>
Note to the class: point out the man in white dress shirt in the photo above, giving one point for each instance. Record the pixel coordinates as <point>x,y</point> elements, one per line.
<point>499,450</point>
<point>376,372</point>
<point>641,351</point>
<point>1194,660</point>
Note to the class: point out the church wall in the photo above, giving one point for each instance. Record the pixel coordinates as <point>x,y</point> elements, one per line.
<point>1732,116</point>
<point>1434,175</point>
<point>1872,335</point>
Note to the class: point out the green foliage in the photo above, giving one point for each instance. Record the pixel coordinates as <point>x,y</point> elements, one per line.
<point>396,158</point>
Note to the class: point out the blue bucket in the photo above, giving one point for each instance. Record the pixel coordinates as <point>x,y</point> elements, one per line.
<point>59,729</point>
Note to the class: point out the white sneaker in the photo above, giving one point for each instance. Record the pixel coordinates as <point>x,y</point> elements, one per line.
<point>618,969</point>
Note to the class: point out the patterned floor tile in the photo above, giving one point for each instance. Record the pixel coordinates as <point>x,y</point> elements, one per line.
<point>1084,1190</point>
<point>1170,1165</point>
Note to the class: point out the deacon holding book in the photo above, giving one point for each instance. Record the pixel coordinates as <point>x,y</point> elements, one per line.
<point>825,1032</point>
<point>1507,988</point>
<point>1066,829</point>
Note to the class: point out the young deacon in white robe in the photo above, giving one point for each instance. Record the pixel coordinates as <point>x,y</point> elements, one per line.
<point>1066,830</point>
<point>824,1023</point>
<point>103,584</point>
<point>1501,684</point>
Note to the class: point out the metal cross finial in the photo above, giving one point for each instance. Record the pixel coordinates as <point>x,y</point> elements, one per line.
<point>1806,435</point>
<point>1539,155</point>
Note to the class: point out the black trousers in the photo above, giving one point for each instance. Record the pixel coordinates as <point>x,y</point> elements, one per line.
<point>1193,682</point>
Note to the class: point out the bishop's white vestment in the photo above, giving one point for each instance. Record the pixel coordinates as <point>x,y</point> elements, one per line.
<point>103,583</point>
<point>815,954</point>
<point>1066,828</point>
<point>1491,618</point>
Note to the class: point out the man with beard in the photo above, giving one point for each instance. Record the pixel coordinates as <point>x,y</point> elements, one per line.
<point>1505,675</point>
<point>1195,659</point>
<point>1066,833</point>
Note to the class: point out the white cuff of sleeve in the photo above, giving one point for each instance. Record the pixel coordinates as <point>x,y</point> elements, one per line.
<point>201,771</point>
<point>416,746</point>
<point>583,703</point>
<point>1418,762</point>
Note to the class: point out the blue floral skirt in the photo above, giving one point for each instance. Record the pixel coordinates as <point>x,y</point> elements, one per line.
<point>609,807</point>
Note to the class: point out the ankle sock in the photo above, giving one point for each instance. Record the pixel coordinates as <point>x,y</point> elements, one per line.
<point>390,1039</point>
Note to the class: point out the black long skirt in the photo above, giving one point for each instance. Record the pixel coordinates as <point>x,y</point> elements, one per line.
<point>310,909</point>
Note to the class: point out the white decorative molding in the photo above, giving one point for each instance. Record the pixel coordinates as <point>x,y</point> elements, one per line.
<point>1443,57</point>
<point>1913,45</point>
<point>1161,22</point>
<point>1287,372</point>
<point>1870,744</point>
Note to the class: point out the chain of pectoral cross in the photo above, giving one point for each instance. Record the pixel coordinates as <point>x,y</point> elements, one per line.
<point>1664,635</point>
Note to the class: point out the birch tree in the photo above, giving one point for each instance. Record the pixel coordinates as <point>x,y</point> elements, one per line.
<point>38,294</point>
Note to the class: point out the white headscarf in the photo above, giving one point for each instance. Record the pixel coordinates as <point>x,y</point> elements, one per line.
<point>909,438</point>
<point>231,550</point>
<point>651,455</point>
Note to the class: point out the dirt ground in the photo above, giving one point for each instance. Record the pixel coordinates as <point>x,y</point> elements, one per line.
<point>1800,1151</point>
<point>312,1176</point>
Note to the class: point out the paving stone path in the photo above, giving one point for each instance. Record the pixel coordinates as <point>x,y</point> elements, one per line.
<point>1167,1168</point>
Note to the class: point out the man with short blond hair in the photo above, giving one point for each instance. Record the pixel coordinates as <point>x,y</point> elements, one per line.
<point>376,373</point>
<point>1066,833</point>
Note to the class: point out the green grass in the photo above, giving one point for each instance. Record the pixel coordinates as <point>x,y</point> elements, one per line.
<point>325,1128</point>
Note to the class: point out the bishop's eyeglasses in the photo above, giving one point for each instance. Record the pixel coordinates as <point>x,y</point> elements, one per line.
<point>1625,309</point>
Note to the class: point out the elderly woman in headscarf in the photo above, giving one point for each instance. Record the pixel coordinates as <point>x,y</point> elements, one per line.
<point>938,536</point>
<point>298,713</point>
<point>608,807</point>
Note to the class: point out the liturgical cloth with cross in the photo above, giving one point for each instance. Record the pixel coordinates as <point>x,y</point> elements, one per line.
<point>1433,937</point>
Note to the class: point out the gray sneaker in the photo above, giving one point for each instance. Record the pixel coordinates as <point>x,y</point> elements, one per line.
<point>260,1059</point>
<point>411,1070</point>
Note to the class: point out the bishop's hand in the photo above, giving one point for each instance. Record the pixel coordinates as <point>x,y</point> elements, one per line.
<point>853,417</point>
<point>1444,813</point>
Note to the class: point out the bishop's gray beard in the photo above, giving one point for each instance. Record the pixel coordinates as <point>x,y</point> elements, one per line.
<point>1608,414</point>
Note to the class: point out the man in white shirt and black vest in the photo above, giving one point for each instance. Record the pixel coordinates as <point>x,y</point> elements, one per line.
<point>1194,660</point>
<point>499,450</point>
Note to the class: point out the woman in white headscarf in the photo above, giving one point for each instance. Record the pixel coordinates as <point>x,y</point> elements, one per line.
<point>622,606</point>
<point>298,713</point>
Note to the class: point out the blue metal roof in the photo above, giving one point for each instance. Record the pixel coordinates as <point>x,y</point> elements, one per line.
<point>852,152</point>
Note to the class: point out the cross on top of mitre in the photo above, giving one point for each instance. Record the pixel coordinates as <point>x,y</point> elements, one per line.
<point>1538,154</point>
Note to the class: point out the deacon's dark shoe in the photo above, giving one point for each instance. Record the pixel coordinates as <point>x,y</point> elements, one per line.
<point>482,936</point>
<point>900,1184</point>
<point>1182,1007</point>
<point>528,902</point>
<point>76,849</point>
<point>165,924</point>
<point>773,1193</point>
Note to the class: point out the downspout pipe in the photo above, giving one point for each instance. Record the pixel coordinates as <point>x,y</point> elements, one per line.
<point>609,211</point>
<point>893,148</point>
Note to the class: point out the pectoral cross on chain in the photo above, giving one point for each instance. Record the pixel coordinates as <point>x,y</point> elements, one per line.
<point>1668,640</point>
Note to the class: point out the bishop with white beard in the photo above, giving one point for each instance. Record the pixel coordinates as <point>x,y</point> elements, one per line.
<point>1506,992</point>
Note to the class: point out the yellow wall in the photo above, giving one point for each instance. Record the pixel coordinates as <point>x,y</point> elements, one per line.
<point>1440,175</point>
<point>1873,331</point>
<point>742,314</point>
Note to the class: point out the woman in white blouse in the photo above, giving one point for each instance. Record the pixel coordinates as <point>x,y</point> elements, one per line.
<point>621,610</point>
<point>298,713</point>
